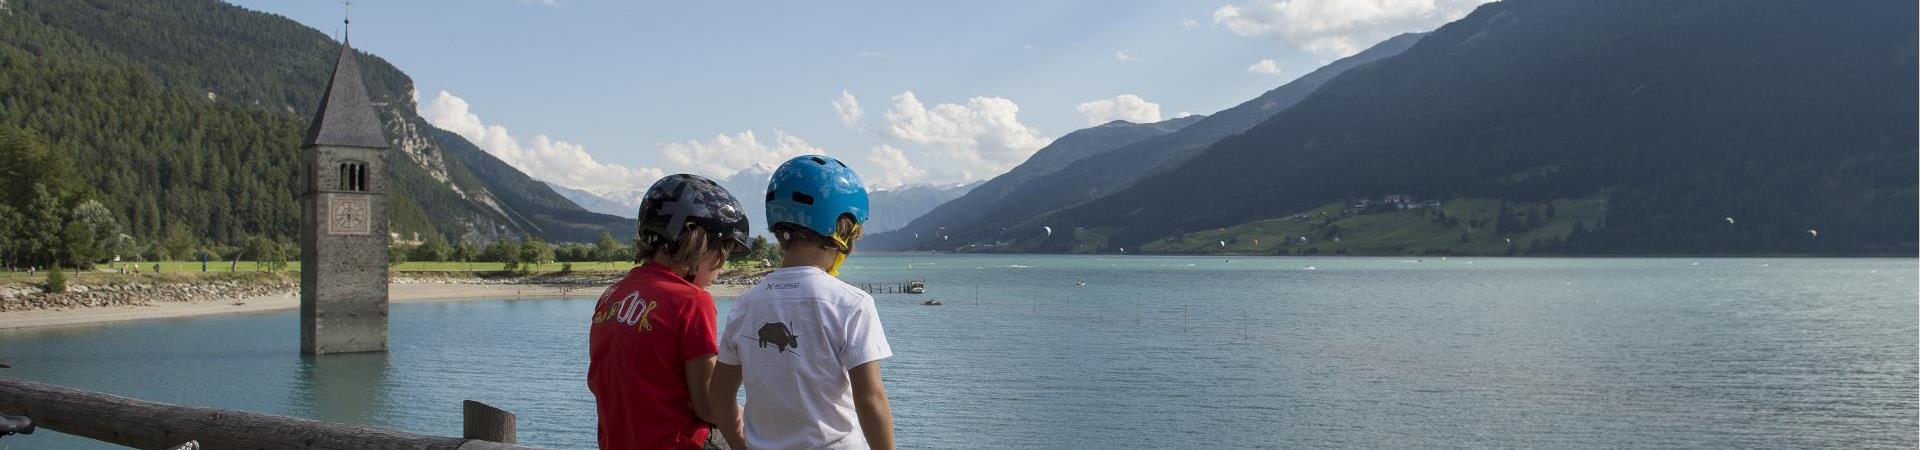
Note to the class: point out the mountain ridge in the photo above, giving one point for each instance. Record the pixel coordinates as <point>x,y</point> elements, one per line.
<point>1087,176</point>
<point>1693,90</point>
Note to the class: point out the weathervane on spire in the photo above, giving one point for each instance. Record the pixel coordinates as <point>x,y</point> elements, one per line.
<point>346,20</point>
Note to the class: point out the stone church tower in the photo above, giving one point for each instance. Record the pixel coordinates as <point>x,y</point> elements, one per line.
<point>343,232</point>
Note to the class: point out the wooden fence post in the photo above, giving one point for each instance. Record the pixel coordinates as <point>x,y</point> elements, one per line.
<point>487,423</point>
<point>142,424</point>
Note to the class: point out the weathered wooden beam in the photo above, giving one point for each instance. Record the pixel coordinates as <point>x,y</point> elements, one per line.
<point>149,425</point>
<point>487,423</point>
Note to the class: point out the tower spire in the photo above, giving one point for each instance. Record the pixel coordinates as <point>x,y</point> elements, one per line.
<point>346,116</point>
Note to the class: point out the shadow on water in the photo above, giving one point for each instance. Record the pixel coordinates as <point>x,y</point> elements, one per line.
<point>347,388</point>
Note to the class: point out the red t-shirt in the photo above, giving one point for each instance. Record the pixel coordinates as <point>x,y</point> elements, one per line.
<point>645,328</point>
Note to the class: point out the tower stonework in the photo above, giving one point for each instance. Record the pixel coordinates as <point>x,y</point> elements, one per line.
<point>343,232</point>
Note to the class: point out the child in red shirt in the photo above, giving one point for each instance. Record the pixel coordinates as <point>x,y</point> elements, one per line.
<point>652,340</point>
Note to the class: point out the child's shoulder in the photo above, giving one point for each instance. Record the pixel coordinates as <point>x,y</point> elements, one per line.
<point>846,293</point>
<point>653,284</point>
<point>822,286</point>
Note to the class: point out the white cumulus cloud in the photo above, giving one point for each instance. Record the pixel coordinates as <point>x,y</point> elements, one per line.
<point>542,157</point>
<point>725,155</point>
<point>984,135</point>
<point>849,109</point>
<point>1123,56</point>
<point>1338,27</point>
<point>895,169</point>
<point>1126,107</point>
<point>1265,67</point>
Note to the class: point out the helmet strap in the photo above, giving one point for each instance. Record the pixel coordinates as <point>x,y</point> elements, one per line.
<point>845,248</point>
<point>838,259</point>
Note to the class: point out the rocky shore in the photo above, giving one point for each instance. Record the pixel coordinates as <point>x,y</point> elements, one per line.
<point>26,297</point>
<point>134,297</point>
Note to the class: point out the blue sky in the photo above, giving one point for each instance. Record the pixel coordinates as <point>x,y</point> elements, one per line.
<point>606,95</point>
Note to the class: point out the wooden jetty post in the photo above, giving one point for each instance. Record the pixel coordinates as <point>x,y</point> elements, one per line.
<point>142,424</point>
<point>894,287</point>
<point>487,423</point>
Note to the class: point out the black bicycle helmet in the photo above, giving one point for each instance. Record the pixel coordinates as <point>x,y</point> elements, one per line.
<point>677,200</point>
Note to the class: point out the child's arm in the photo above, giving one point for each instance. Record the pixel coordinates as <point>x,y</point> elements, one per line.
<point>870,403</point>
<point>698,371</point>
<point>726,412</point>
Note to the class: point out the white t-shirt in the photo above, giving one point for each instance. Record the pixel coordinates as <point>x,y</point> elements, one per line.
<point>795,335</point>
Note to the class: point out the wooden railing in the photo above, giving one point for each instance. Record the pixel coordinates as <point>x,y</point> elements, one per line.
<point>142,424</point>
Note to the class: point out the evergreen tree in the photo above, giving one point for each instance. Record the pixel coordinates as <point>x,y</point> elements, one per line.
<point>76,246</point>
<point>10,222</point>
<point>535,251</point>
<point>178,244</point>
<point>42,227</point>
<point>608,249</point>
<point>267,253</point>
<point>397,254</point>
<point>433,248</point>
<point>466,252</point>
<point>503,251</point>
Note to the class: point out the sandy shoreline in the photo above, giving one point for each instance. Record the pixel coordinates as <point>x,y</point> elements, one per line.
<point>397,293</point>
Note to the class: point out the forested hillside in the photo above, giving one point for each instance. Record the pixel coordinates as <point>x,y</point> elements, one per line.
<point>185,117</point>
<point>1705,127</point>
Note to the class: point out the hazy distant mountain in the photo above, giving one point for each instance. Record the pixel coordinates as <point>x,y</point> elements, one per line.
<point>891,209</point>
<point>188,114</point>
<point>1108,160</point>
<point>1791,115</point>
<point>595,202</point>
<point>977,208</point>
<point>750,186</point>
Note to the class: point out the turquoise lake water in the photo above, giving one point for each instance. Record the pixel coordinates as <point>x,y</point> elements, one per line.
<point>1165,352</point>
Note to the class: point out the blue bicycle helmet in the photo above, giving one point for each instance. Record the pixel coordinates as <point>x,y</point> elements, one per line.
<point>813,191</point>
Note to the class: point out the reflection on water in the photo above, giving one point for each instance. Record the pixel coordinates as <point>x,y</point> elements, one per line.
<point>346,388</point>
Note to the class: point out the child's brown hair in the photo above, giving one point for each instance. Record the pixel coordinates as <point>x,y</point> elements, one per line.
<point>686,253</point>
<point>846,229</point>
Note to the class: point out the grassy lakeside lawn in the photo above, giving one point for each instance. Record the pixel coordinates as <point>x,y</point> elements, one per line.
<point>1399,232</point>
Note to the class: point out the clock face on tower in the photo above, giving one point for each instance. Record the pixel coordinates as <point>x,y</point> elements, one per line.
<point>349,215</point>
